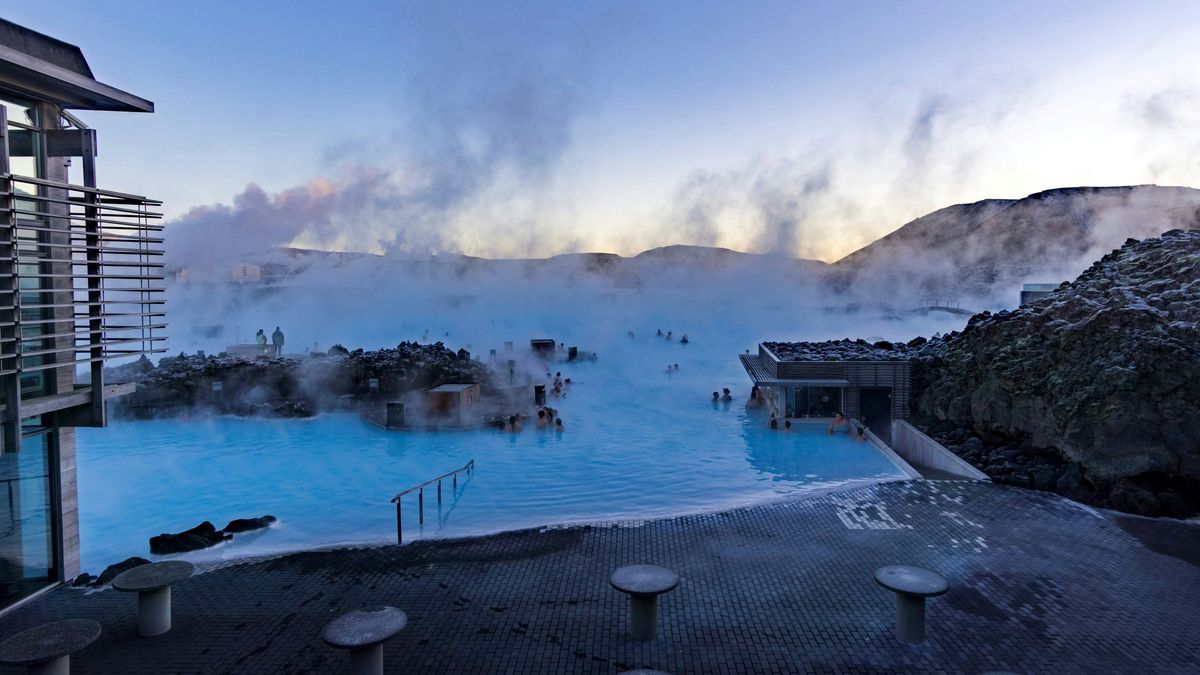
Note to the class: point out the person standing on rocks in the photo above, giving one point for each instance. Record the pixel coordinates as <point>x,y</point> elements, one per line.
<point>277,341</point>
<point>260,338</point>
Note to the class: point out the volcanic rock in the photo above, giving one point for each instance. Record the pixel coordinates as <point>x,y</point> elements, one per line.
<point>113,570</point>
<point>248,524</point>
<point>201,536</point>
<point>1093,392</point>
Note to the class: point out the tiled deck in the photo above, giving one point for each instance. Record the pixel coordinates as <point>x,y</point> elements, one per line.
<point>1038,584</point>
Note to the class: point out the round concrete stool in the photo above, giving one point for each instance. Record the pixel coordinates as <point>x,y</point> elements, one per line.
<point>363,632</point>
<point>643,671</point>
<point>47,649</point>
<point>152,583</point>
<point>643,583</point>
<point>911,586</point>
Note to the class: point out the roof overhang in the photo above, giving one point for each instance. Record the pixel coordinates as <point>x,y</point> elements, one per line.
<point>761,376</point>
<point>43,80</point>
<point>802,383</point>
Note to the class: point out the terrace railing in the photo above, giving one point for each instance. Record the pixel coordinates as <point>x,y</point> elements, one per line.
<point>467,468</point>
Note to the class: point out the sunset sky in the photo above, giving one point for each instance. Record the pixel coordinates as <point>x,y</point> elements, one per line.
<point>514,128</point>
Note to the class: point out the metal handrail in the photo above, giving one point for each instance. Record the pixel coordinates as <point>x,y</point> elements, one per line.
<point>469,468</point>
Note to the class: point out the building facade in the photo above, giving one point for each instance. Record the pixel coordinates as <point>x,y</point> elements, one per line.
<point>875,391</point>
<point>80,283</point>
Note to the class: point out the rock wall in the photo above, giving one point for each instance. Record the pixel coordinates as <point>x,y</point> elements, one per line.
<point>1093,392</point>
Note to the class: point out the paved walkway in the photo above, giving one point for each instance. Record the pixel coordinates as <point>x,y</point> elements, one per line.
<point>1038,584</point>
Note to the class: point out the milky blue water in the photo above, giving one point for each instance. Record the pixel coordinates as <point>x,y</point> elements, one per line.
<point>639,443</point>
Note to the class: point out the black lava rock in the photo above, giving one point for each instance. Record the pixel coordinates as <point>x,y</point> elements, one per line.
<point>248,524</point>
<point>113,570</point>
<point>201,536</point>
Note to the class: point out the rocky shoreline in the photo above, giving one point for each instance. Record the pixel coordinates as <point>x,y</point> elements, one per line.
<point>286,387</point>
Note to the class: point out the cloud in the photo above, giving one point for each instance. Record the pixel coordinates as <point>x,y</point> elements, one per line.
<point>491,118</point>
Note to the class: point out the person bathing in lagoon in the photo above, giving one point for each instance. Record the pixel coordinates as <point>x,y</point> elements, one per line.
<point>558,425</point>
<point>659,333</point>
<point>726,396</point>
<point>839,425</point>
<point>716,397</point>
<point>860,432</point>
<point>774,423</point>
<point>787,425</point>
<point>514,424</point>
<point>541,419</point>
<point>754,400</point>
<point>683,340</point>
<point>668,335</point>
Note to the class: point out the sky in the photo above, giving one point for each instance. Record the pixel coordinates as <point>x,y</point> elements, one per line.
<point>515,129</point>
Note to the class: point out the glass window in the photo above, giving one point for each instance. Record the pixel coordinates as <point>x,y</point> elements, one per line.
<point>20,112</point>
<point>27,519</point>
<point>24,138</point>
<point>814,401</point>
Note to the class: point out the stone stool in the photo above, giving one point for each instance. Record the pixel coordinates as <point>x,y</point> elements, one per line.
<point>152,583</point>
<point>643,583</point>
<point>911,586</point>
<point>643,671</point>
<point>363,632</point>
<point>47,649</point>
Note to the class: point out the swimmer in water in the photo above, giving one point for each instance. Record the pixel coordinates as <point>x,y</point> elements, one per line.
<point>860,432</point>
<point>558,425</point>
<point>683,340</point>
<point>773,424</point>
<point>659,333</point>
<point>512,424</point>
<point>726,395</point>
<point>541,419</point>
<point>787,425</point>
<point>716,397</point>
<point>839,425</point>
<point>668,335</point>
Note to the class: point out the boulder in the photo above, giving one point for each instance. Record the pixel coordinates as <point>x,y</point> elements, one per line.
<point>248,524</point>
<point>113,570</point>
<point>1133,498</point>
<point>82,580</point>
<point>201,536</point>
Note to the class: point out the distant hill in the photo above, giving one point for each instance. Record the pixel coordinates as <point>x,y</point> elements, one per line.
<point>981,250</point>
<point>975,249</point>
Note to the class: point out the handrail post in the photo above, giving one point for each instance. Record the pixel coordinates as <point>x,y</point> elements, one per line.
<point>421,506</point>
<point>439,493</point>
<point>400,529</point>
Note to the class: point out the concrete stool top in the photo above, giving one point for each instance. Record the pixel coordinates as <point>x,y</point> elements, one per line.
<point>643,671</point>
<point>644,579</point>
<point>153,576</point>
<point>911,580</point>
<point>48,642</point>
<point>364,627</point>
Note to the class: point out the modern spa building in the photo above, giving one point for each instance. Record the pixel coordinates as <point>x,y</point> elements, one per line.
<point>801,383</point>
<point>80,283</point>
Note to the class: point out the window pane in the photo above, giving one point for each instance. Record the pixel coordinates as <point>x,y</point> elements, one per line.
<point>26,523</point>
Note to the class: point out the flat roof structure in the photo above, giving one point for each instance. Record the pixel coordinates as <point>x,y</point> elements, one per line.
<point>49,69</point>
<point>453,388</point>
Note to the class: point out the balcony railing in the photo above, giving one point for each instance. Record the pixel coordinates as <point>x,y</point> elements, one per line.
<point>81,275</point>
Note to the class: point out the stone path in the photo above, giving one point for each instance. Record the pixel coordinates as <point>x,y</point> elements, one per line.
<point>1038,585</point>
